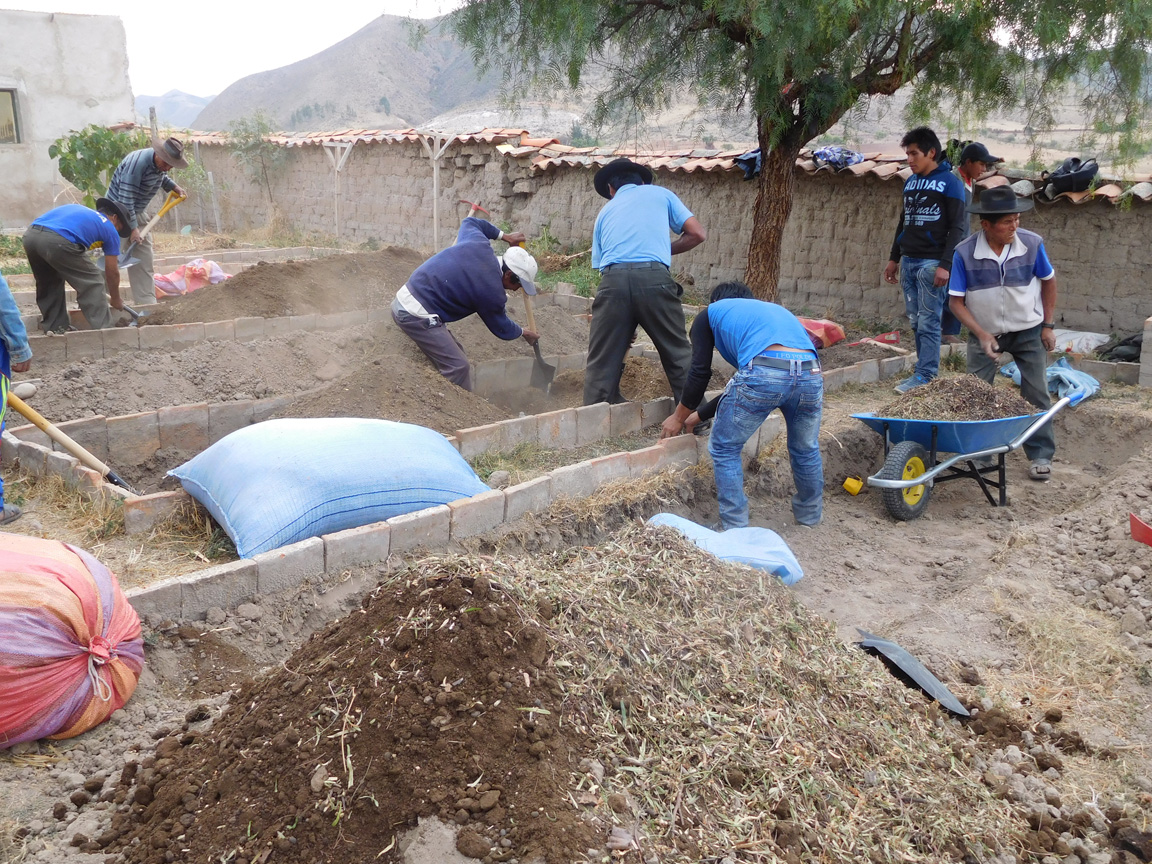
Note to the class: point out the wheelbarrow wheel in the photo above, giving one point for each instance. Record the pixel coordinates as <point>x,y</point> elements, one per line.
<point>906,461</point>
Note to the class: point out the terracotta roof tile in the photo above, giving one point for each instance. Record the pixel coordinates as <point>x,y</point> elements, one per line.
<point>548,153</point>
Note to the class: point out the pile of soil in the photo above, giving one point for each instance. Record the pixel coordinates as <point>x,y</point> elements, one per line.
<point>321,285</point>
<point>962,397</point>
<point>842,354</point>
<point>433,701</point>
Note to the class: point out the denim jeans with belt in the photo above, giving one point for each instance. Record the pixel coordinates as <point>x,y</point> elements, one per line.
<point>753,393</point>
<point>924,304</point>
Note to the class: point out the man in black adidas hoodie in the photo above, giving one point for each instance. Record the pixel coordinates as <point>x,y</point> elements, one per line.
<point>932,221</point>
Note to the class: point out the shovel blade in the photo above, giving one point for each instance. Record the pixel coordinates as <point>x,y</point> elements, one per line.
<point>542,373</point>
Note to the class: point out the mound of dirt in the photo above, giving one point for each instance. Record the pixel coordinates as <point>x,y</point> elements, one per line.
<point>842,354</point>
<point>962,397</point>
<point>321,285</point>
<point>407,393</point>
<point>434,700</point>
<point>553,704</point>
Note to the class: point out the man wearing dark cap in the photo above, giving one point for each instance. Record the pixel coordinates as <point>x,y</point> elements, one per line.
<point>134,184</point>
<point>974,162</point>
<point>633,252</point>
<point>57,244</point>
<point>1003,289</point>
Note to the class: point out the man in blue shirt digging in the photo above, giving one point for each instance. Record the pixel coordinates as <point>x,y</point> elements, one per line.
<point>776,367</point>
<point>464,279</point>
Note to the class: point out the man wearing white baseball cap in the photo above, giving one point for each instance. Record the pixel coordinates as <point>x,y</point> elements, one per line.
<point>464,279</point>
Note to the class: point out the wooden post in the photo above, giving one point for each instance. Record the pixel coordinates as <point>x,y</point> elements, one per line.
<point>215,203</point>
<point>434,145</point>
<point>338,153</point>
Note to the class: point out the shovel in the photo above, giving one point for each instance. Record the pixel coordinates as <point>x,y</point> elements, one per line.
<point>542,373</point>
<point>36,419</point>
<point>126,260</point>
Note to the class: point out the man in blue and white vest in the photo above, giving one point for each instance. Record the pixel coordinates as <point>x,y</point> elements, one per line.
<point>1003,289</point>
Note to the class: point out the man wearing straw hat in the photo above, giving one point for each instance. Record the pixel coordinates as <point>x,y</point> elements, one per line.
<point>134,184</point>
<point>1003,289</point>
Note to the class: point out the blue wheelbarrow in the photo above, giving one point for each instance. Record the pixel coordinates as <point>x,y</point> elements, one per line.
<point>911,450</point>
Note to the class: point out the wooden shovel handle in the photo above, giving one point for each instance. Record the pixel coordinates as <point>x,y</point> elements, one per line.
<point>36,419</point>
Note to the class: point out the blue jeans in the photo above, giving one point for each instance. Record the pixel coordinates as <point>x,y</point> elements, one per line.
<point>753,393</point>
<point>924,304</point>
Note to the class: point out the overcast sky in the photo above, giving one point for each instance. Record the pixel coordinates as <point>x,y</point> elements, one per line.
<point>212,43</point>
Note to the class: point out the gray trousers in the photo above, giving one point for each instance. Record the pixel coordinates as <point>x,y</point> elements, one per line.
<point>438,343</point>
<point>631,295</point>
<point>1032,360</point>
<point>141,276</point>
<point>55,260</point>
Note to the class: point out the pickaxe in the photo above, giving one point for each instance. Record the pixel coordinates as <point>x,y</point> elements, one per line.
<point>475,207</point>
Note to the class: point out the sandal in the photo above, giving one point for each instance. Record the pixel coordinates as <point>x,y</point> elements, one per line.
<point>1040,470</point>
<point>10,514</point>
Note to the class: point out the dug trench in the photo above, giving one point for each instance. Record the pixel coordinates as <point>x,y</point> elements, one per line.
<point>694,710</point>
<point>368,370</point>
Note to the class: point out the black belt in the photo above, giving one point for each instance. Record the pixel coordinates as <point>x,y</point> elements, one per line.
<point>635,265</point>
<point>781,363</point>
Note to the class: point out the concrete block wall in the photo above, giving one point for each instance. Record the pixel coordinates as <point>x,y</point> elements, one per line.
<point>835,246</point>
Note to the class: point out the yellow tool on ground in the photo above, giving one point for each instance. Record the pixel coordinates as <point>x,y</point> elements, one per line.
<point>36,419</point>
<point>126,259</point>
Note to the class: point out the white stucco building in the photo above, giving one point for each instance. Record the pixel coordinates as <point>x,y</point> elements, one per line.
<point>57,73</point>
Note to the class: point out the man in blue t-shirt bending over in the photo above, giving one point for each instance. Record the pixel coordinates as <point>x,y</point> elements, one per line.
<point>57,245</point>
<point>776,367</point>
<point>633,252</point>
<point>465,279</point>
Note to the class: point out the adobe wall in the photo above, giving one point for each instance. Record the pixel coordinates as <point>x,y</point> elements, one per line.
<point>67,71</point>
<point>835,247</point>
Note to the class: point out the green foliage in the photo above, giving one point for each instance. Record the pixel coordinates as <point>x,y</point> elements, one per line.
<point>260,158</point>
<point>87,158</point>
<point>385,105</point>
<point>577,137</point>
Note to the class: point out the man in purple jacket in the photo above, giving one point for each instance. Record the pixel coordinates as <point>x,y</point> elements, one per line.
<point>464,279</point>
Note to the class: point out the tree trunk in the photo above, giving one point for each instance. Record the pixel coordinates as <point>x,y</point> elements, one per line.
<point>773,207</point>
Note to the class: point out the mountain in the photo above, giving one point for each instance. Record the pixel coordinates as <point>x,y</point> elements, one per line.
<point>376,78</point>
<point>174,108</point>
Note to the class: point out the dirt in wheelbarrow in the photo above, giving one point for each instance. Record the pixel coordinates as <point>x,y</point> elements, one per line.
<point>964,397</point>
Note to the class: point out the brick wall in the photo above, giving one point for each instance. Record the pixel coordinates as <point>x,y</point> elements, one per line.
<point>835,247</point>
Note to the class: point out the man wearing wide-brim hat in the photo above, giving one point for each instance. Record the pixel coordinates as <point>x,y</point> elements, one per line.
<point>632,250</point>
<point>134,184</point>
<point>1003,289</point>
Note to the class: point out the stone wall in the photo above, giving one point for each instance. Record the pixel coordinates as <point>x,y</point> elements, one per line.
<point>67,71</point>
<point>835,246</point>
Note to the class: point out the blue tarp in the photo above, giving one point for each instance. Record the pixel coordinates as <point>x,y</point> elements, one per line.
<point>756,547</point>
<point>1063,380</point>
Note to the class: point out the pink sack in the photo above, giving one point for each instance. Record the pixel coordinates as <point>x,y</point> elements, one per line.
<point>824,333</point>
<point>71,650</point>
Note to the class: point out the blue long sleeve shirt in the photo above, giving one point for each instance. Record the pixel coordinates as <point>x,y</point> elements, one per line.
<point>466,279</point>
<point>12,328</point>
<point>135,181</point>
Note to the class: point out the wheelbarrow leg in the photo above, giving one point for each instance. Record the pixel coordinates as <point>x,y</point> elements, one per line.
<point>1003,482</point>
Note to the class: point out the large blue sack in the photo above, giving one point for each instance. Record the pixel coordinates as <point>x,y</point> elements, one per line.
<point>282,481</point>
<point>1063,380</point>
<point>756,547</point>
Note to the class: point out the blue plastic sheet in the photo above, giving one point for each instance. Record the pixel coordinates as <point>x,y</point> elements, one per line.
<point>1063,380</point>
<point>756,547</point>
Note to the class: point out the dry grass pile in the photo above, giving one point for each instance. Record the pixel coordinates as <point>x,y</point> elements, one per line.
<point>733,723</point>
<point>963,397</point>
